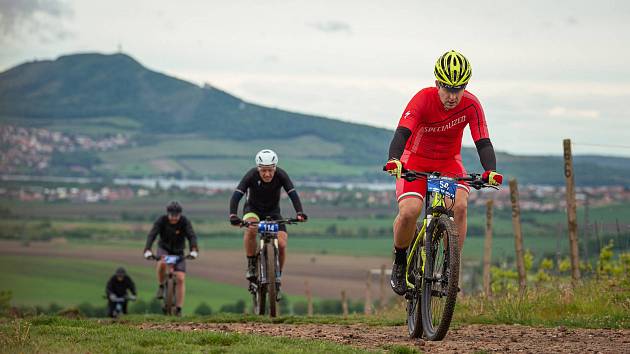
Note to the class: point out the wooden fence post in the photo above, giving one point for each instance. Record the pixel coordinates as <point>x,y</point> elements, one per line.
<point>382,294</point>
<point>487,250</point>
<point>344,303</point>
<point>571,210</point>
<point>518,235</point>
<point>368,294</point>
<point>309,299</point>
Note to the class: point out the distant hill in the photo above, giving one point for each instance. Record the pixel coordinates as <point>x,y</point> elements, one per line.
<point>94,85</point>
<point>178,128</point>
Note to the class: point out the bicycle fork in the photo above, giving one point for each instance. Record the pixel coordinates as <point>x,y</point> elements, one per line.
<point>263,260</point>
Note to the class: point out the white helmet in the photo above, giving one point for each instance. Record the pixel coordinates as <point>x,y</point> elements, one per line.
<point>266,158</point>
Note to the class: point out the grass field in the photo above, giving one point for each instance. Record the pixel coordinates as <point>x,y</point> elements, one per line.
<point>57,335</point>
<point>201,156</point>
<point>67,282</point>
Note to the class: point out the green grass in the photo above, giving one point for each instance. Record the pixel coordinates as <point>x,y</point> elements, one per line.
<point>58,335</point>
<point>40,281</point>
<point>86,126</point>
<point>207,157</point>
<point>595,303</point>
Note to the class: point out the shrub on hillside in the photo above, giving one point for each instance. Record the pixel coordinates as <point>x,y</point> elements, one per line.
<point>300,308</point>
<point>5,301</point>
<point>203,309</point>
<point>238,307</point>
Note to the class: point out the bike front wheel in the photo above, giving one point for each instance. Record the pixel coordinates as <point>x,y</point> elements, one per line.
<point>270,260</point>
<point>414,318</point>
<point>441,277</point>
<point>169,299</point>
<point>259,297</point>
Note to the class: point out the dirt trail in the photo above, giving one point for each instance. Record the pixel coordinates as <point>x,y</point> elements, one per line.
<point>327,274</point>
<point>467,339</point>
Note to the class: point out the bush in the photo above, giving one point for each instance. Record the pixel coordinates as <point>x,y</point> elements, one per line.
<point>53,308</point>
<point>155,306</point>
<point>203,309</point>
<point>357,306</point>
<point>300,308</point>
<point>238,307</point>
<point>329,307</point>
<point>5,301</point>
<point>139,306</point>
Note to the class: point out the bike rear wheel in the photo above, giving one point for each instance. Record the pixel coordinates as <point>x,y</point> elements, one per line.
<point>414,318</point>
<point>169,299</point>
<point>270,258</point>
<point>440,279</point>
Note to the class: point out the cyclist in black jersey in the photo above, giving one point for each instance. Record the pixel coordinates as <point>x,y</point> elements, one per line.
<point>262,186</point>
<point>174,229</point>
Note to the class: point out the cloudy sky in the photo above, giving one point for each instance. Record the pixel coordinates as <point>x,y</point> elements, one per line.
<point>543,70</point>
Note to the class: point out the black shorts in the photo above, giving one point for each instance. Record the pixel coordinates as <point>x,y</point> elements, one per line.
<point>261,215</point>
<point>180,266</point>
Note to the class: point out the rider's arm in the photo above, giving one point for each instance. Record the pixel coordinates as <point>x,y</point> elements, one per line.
<point>240,190</point>
<point>236,198</point>
<point>287,184</point>
<point>479,132</point>
<point>155,230</point>
<point>397,146</point>
<point>190,234</point>
<point>486,154</point>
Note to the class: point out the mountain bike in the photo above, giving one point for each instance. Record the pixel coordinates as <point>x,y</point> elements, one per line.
<point>169,297</point>
<point>432,272</point>
<point>264,288</point>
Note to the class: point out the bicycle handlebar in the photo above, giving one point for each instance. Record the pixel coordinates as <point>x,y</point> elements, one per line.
<point>124,298</point>
<point>279,222</point>
<point>474,179</point>
<point>154,258</point>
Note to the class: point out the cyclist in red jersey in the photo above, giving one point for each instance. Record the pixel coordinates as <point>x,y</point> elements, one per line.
<point>429,139</point>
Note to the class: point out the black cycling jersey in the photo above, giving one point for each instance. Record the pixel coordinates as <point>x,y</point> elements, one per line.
<point>264,197</point>
<point>172,236</point>
<point>120,288</point>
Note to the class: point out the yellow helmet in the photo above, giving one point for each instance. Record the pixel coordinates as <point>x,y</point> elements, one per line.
<point>453,70</point>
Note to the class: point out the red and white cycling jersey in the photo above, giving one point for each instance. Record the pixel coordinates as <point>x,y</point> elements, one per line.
<point>436,137</point>
<point>436,132</point>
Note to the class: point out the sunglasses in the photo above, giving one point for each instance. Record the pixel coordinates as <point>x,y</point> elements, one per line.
<point>452,89</point>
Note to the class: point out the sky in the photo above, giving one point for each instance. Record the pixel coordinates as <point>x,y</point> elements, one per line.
<point>543,70</point>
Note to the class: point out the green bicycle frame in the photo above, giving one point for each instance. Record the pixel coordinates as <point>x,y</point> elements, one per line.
<point>438,200</point>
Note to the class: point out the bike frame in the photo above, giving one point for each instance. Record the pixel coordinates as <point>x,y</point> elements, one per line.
<point>268,232</point>
<point>435,200</point>
<point>170,271</point>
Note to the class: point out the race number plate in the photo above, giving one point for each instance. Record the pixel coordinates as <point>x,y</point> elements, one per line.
<point>442,186</point>
<point>171,259</point>
<point>267,227</point>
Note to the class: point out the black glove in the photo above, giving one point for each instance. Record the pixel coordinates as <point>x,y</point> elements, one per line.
<point>301,216</point>
<point>235,220</point>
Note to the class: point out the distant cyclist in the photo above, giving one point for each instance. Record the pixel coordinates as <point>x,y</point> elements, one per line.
<point>262,185</point>
<point>118,286</point>
<point>174,229</point>
<point>429,139</point>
